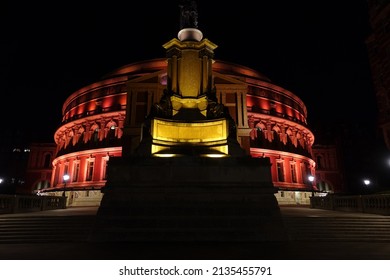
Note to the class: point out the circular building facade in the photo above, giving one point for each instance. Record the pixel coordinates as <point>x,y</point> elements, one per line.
<point>271,122</point>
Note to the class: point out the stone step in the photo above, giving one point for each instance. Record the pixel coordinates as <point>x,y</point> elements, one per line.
<point>78,228</point>
<point>336,229</point>
<point>45,229</point>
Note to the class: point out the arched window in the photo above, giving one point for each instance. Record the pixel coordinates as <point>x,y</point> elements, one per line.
<point>95,135</point>
<point>111,132</point>
<point>95,132</point>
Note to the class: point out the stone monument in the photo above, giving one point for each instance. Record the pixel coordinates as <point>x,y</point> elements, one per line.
<point>188,179</point>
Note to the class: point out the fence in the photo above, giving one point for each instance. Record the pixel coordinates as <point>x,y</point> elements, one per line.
<point>373,204</point>
<point>30,203</point>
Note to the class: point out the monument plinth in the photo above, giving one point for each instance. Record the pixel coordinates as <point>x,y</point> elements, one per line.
<point>156,199</point>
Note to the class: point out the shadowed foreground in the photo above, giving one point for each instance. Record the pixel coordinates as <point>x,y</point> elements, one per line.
<point>313,234</point>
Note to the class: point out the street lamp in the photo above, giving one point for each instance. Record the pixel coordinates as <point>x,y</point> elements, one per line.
<point>66,178</point>
<point>311,179</point>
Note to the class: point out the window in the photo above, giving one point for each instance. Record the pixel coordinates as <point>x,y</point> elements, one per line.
<point>76,170</point>
<point>104,169</point>
<point>279,166</point>
<point>95,136</point>
<point>90,164</point>
<point>293,173</point>
<point>305,173</point>
<point>111,132</point>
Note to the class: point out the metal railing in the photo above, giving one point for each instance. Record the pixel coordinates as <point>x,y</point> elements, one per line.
<point>373,203</point>
<point>30,203</point>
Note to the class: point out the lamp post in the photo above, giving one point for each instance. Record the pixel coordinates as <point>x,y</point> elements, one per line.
<point>366,182</point>
<point>311,179</point>
<point>65,178</point>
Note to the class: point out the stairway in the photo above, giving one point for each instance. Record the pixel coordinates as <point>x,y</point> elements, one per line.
<point>76,228</point>
<point>45,229</point>
<point>338,229</point>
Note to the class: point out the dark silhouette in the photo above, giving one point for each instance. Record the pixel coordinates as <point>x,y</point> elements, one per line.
<point>188,14</point>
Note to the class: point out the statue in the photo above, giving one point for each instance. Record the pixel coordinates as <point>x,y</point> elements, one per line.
<point>188,14</point>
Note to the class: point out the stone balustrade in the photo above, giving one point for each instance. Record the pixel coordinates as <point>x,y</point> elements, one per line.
<point>373,204</point>
<point>30,203</point>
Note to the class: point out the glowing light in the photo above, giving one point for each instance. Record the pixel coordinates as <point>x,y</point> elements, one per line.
<point>66,177</point>
<point>366,182</point>
<point>165,155</point>
<point>214,155</point>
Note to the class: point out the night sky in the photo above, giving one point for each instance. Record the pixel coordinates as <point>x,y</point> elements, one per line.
<point>314,49</point>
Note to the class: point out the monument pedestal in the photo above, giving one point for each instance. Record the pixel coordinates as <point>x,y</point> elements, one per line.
<point>229,199</point>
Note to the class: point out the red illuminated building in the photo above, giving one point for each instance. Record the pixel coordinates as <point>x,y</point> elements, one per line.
<point>98,119</point>
<point>271,122</point>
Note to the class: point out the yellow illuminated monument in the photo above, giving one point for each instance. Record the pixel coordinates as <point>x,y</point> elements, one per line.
<point>188,120</point>
<point>188,179</point>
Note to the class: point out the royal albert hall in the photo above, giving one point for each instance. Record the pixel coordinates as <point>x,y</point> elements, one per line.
<point>271,122</point>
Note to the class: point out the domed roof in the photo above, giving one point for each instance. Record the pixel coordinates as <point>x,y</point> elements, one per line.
<point>153,65</point>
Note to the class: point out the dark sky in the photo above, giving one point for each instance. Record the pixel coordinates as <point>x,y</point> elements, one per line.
<point>316,49</point>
